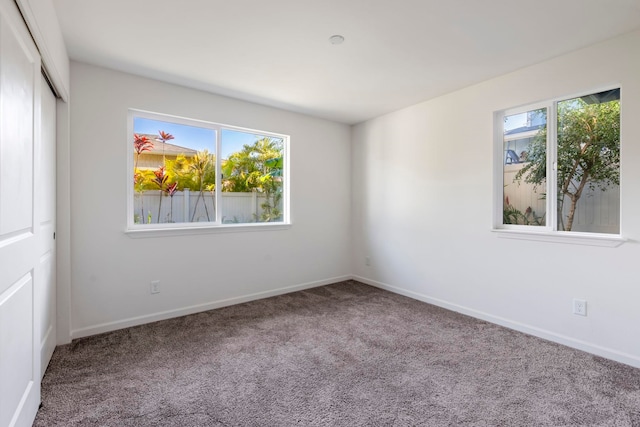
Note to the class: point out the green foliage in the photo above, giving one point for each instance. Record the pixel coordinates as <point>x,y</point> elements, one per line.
<point>257,167</point>
<point>511,215</point>
<point>144,180</point>
<point>588,152</point>
<point>193,173</point>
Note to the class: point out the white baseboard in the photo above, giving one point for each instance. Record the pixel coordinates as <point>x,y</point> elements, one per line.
<point>608,353</point>
<point>169,314</point>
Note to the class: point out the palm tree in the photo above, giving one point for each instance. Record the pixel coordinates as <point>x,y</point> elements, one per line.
<point>258,167</point>
<point>161,176</point>
<point>203,167</point>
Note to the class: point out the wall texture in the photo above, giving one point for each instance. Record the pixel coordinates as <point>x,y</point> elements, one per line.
<point>422,210</point>
<point>111,271</point>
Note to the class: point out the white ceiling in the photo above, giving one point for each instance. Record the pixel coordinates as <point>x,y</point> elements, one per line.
<point>276,52</point>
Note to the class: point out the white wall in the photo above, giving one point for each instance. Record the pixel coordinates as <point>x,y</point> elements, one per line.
<point>422,210</point>
<point>111,272</point>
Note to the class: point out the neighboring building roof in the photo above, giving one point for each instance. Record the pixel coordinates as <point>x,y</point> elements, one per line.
<point>169,149</point>
<point>524,129</point>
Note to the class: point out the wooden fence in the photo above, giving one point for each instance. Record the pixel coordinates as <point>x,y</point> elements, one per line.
<point>597,211</point>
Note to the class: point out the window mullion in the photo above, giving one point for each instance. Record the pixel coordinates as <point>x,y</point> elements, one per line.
<point>498,171</point>
<point>218,185</point>
<point>552,166</point>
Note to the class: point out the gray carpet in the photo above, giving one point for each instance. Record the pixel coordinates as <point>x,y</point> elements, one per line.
<point>340,355</point>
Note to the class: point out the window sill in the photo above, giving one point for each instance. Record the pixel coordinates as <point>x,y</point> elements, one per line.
<point>585,239</point>
<point>190,230</point>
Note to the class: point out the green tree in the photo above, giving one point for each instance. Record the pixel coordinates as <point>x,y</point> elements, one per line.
<point>588,153</point>
<point>179,171</point>
<point>257,167</point>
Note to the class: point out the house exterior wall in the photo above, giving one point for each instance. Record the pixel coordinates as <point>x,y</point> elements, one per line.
<point>423,209</point>
<point>111,272</point>
<point>152,160</point>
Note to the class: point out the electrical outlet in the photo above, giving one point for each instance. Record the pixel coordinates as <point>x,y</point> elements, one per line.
<point>155,287</point>
<point>580,307</point>
<point>367,260</point>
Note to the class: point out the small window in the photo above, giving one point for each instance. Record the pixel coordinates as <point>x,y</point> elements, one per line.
<point>187,173</point>
<point>561,165</point>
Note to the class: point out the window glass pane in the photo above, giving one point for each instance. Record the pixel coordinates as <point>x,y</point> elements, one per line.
<point>174,172</point>
<point>589,163</point>
<point>524,168</point>
<point>252,182</point>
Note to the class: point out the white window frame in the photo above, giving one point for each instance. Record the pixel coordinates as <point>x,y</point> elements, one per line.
<point>549,232</point>
<point>167,229</point>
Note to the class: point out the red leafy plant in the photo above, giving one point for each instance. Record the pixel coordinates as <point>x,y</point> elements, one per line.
<point>160,180</point>
<point>164,137</point>
<point>140,144</point>
<point>171,190</point>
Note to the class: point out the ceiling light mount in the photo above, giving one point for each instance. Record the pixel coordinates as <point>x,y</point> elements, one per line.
<point>336,39</point>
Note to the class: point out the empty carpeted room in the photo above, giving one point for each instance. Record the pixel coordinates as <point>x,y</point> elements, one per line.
<point>319,213</point>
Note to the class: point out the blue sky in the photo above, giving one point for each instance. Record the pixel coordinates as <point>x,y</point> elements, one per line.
<point>515,121</point>
<point>195,137</point>
<point>528,118</point>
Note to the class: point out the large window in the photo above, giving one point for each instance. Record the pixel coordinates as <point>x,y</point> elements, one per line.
<point>188,173</point>
<point>560,165</point>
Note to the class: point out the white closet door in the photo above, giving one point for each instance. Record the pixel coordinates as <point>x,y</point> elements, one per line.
<point>45,192</point>
<point>20,229</point>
